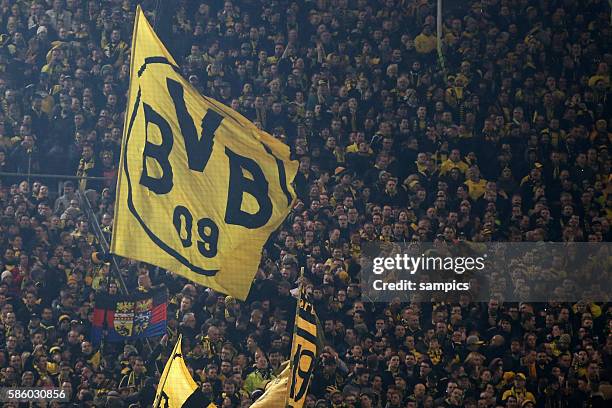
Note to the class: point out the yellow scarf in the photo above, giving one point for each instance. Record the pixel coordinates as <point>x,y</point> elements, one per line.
<point>435,356</point>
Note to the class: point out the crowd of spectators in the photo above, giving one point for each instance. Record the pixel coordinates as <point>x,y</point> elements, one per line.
<point>503,136</point>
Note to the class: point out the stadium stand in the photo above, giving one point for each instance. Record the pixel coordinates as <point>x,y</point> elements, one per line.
<point>509,141</point>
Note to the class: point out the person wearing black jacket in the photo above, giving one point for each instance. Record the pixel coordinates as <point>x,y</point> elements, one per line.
<point>25,158</point>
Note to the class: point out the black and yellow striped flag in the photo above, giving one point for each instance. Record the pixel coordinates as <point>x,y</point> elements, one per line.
<point>306,347</point>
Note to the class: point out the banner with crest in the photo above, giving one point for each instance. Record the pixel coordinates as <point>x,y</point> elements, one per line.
<point>140,315</point>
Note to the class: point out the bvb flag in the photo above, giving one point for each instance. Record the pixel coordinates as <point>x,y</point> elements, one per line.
<point>176,388</point>
<point>305,350</point>
<point>200,188</point>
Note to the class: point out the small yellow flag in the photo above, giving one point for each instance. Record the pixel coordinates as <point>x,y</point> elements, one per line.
<point>176,388</point>
<point>200,188</point>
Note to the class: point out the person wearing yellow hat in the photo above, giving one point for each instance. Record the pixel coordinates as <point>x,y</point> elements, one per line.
<point>64,317</point>
<point>518,390</point>
<point>53,365</point>
<point>507,379</point>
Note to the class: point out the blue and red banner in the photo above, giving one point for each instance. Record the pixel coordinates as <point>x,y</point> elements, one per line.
<point>136,316</point>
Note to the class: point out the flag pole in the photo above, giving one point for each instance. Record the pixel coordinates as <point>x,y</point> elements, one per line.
<point>120,174</point>
<point>439,34</point>
<point>104,326</point>
<point>162,23</point>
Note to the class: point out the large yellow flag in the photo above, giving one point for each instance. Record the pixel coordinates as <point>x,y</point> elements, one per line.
<point>305,349</point>
<point>200,188</point>
<point>176,388</point>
